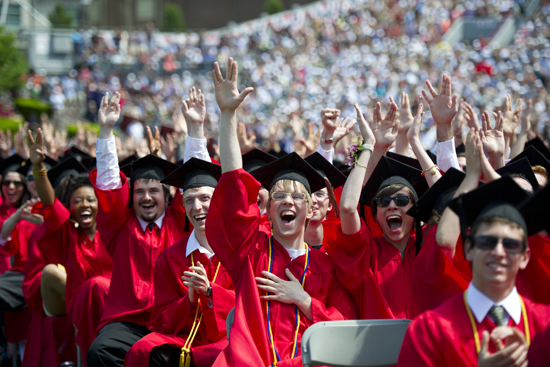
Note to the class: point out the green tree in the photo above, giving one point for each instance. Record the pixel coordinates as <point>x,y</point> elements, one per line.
<point>173,20</point>
<point>12,62</point>
<point>274,6</point>
<point>60,18</point>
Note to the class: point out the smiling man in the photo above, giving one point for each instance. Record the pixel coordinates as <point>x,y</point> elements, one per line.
<point>135,225</point>
<point>489,324</point>
<point>279,280</point>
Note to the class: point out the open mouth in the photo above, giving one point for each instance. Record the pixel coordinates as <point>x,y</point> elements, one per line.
<point>495,266</point>
<point>288,216</point>
<point>86,216</point>
<point>199,218</point>
<point>148,206</point>
<point>394,222</point>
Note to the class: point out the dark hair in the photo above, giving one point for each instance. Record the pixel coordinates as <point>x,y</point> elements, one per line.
<point>165,189</point>
<point>68,185</point>
<point>25,196</point>
<point>387,191</point>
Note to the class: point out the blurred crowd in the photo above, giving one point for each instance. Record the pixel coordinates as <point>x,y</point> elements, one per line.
<point>328,55</point>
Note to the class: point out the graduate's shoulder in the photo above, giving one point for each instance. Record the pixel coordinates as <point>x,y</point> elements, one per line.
<point>539,313</point>
<point>320,262</point>
<point>177,251</point>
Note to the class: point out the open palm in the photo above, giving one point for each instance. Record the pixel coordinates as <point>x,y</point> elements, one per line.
<point>227,92</point>
<point>443,106</point>
<point>109,112</point>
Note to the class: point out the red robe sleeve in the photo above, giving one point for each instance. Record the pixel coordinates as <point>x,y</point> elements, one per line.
<point>537,273</point>
<point>420,346</point>
<point>171,311</point>
<point>176,208</point>
<point>215,311</point>
<point>49,235</point>
<point>113,211</point>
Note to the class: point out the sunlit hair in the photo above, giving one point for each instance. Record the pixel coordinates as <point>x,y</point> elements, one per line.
<point>491,220</point>
<point>287,185</point>
<point>541,171</point>
<point>388,191</point>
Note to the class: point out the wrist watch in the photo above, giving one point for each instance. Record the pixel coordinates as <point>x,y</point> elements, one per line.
<point>209,292</point>
<point>327,141</point>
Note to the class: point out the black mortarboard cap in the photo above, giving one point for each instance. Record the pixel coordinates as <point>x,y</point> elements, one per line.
<point>74,151</point>
<point>279,154</point>
<point>289,167</point>
<point>438,196</point>
<point>194,173</point>
<point>535,211</point>
<point>523,167</point>
<point>539,144</point>
<point>25,168</point>
<point>149,167</point>
<point>326,169</point>
<point>495,199</point>
<point>256,158</point>
<point>12,164</point>
<point>69,166</point>
<point>404,159</point>
<point>461,149</point>
<point>535,158</point>
<point>388,172</point>
<point>128,159</point>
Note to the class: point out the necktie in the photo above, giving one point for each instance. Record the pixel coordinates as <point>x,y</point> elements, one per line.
<point>151,226</point>
<point>497,313</point>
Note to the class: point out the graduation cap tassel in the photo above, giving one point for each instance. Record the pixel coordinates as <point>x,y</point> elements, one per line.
<point>332,198</point>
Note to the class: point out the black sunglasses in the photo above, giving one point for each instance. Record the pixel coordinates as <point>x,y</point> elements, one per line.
<point>15,183</point>
<point>488,243</point>
<point>384,201</point>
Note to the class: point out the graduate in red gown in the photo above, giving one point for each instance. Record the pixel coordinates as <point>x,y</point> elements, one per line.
<point>192,288</point>
<point>489,324</point>
<point>282,285</point>
<point>70,231</point>
<point>135,224</point>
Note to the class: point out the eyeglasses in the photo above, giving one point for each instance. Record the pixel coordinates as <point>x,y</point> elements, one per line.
<point>384,201</point>
<point>296,196</point>
<point>320,194</point>
<point>15,183</point>
<point>488,243</point>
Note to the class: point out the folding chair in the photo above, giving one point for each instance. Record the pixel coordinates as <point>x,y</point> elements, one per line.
<point>229,321</point>
<point>357,343</point>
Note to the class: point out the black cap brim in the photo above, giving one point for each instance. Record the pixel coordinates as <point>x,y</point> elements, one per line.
<point>74,151</point>
<point>404,159</point>
<point>535,158</point>
<point>12,164</point>
<point>326,169</point>
<point>390,168</point>
<point>291,167</point>
<point>193,174</point>
<point>540,146</point>
<point>521,166</point>
<point>423,208</point>
<point>149,167</point>
<point>69,166</point>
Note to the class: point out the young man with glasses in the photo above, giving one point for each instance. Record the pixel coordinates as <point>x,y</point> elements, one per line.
<point>282,285</point>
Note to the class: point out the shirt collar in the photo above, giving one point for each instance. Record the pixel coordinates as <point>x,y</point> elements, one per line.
<point>144,224</point>
<point>480,304</point>
<point>193,244</point>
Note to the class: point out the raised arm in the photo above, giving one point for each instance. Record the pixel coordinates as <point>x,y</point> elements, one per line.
<point>519,145</point>
<point>406,119</point>
<point>43,186</point>
<point>108,172</point>
<point>448,230</point>
<point>351,223</point>
<point>414,139</point>
<point>194,111</point>
<point>493,139</point>
<point>229,99</point>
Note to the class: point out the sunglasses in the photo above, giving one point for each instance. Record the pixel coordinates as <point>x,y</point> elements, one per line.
<point>296,196</point>
<point>15,183</point>
<point>488,243</point>
<point>400,200</point>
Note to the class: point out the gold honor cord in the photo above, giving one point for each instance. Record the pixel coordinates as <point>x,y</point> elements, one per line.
<point>185,357</point>
<point>474,327</point>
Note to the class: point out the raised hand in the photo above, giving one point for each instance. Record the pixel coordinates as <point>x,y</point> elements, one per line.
<point>443,107</point>
<point>169,147</point>
<point>247,143</point>
<point>526,117</point>
<point>36,149</point>
<point>473,146</point>
<point>458,121</point>
<point>471,117</point>
<point>180,125</point>
<point>5,143</point>
<point>194,111</point>
<point>227,92</point>
<point>329,118</point>
<point>154,141</point>
<point>366,131</point>
<point>343,127</point>
<point>414,131</point>
<point>109,113</point>
<point>385,128</point>
<point>493,139</point>
<point>19,142</point>
<point>511,117</point>
<point>312,139</point>
<point>405,114</point>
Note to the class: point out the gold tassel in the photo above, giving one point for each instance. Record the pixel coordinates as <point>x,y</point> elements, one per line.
<point>185,357</point>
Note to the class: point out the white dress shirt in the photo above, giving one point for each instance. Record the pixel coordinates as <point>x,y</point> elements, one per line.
<point>328,154</point>
<point>144,224</point>
<point>195,148</point>
<point>193,244</point>
<point>480,304</point>
<point>108,172</point>
<point>446,155</point>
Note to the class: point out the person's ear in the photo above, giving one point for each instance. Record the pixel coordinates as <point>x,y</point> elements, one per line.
<point>525,258</point>
<point>468,249</point>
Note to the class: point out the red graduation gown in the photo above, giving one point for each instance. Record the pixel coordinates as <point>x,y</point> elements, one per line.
<point>539,350</point>
<point>438,277</point>
<point>50,340</point>
<point>89,268</point>
<point>134,251</point>
<point>265,225</point>
<point>232,231</point>
<point>373,271</point>
<point>444,336</point>
<point>173,314</point>
<point>17,246</point>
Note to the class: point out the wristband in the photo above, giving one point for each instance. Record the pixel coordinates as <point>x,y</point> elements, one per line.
<point>40,173</point>
<point>327,141</point>
<point>368,147</point>
<point>209,292</point>
<point>432,170</point>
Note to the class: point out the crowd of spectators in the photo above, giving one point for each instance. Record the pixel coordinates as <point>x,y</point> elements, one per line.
<point>327,55</point>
